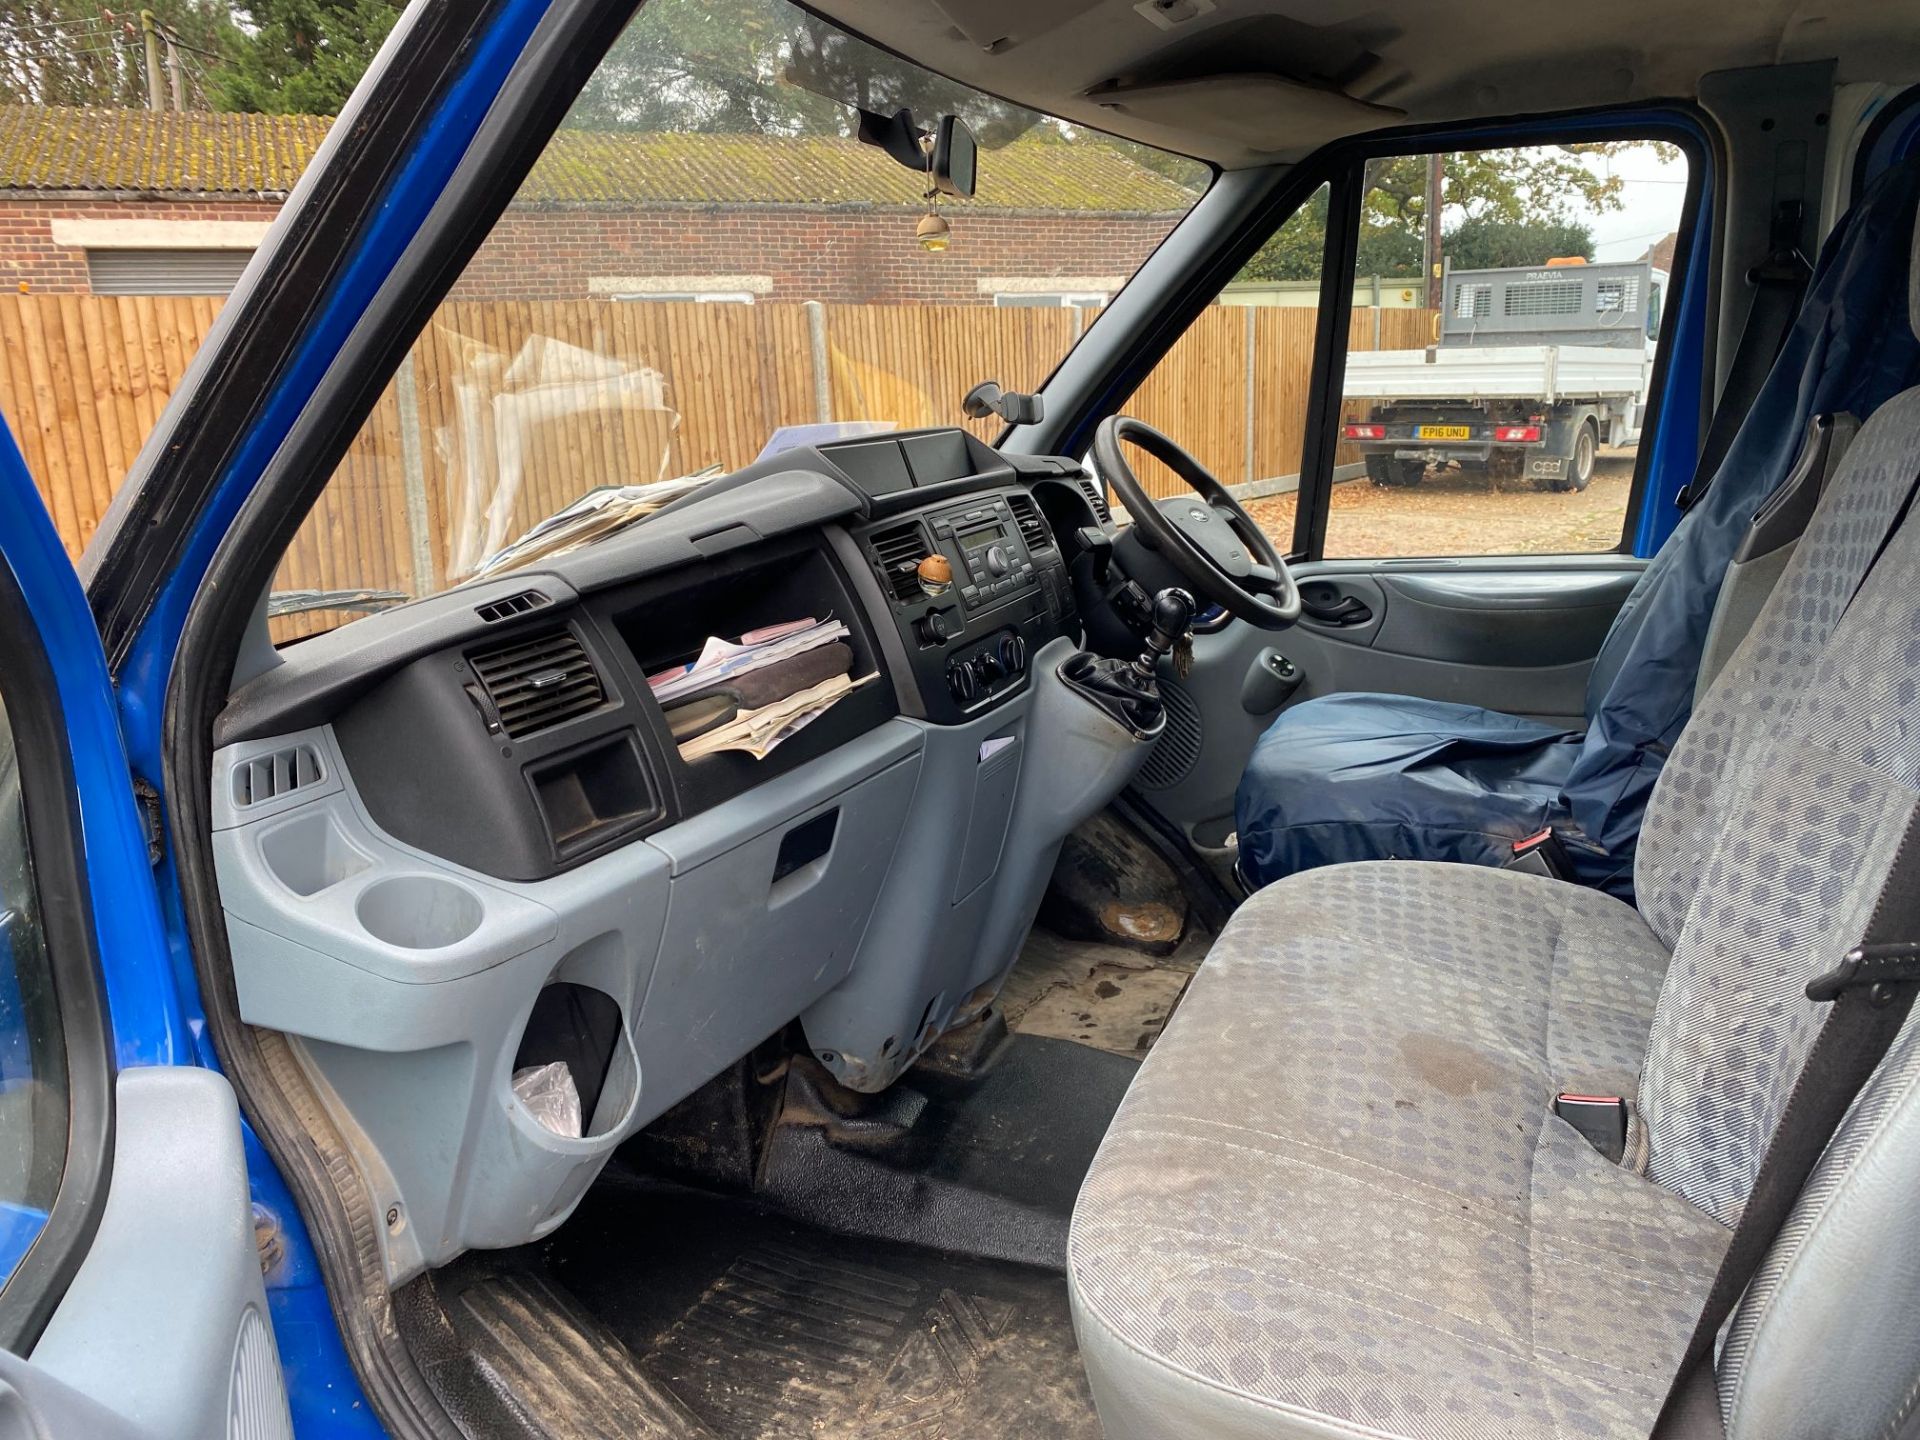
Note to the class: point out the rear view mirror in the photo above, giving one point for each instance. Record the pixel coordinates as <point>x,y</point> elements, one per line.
<point>955,158</point>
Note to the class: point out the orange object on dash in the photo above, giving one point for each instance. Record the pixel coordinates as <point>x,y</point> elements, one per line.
<point>936,574</point>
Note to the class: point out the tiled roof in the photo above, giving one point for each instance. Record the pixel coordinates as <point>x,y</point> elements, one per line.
<point>196,153</point>
<point>53,148</point>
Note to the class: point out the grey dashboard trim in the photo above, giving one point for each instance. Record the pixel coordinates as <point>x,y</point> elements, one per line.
<point>315,678</point>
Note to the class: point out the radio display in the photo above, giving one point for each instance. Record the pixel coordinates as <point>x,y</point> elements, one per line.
<point>972,540</point>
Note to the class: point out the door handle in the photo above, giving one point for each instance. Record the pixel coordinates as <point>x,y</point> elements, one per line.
<point>1343,610</point>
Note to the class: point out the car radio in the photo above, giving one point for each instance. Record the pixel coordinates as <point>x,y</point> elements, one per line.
<point>984,540</point>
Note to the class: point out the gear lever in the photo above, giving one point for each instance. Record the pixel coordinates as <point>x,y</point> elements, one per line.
<point>1171,618</point>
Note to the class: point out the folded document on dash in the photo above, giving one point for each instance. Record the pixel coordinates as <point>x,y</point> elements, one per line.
<point>758,732</point>
<point>723,659</point>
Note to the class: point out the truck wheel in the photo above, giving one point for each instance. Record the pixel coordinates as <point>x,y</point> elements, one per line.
<point>1586,448</point>
<point>1380,469</point>
<point>1580,462</point>
<point>1403,472</point>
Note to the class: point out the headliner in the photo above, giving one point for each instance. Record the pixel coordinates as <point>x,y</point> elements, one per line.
<point>1247,82</point>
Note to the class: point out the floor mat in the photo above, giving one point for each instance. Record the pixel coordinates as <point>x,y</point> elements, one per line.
<point>762,1327</point>
<point>1106,996</point>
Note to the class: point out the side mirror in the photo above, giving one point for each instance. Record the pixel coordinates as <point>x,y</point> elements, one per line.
<point>956,158</point>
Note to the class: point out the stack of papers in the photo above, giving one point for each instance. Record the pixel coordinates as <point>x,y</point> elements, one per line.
<point>722,660</point>
<point>595,514</point>
<point>758,731</point>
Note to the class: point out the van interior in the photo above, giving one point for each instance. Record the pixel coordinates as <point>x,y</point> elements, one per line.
<point>975,928</point>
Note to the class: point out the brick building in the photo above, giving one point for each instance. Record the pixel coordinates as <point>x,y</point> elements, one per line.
<point>111,201</point>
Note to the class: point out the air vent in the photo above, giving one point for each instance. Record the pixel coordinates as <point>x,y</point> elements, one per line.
<point>898,552</point>
<point>268,777</point>
<point>534,684</point>
<point>1096,498</point>
<point>1178,748</point>
<point>509,606</point>
<point>1033,530</point>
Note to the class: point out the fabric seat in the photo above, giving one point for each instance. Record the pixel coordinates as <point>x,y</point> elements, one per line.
<point>1336,1200</point>
<point>1336,1194</point>
<point>1370,776</point>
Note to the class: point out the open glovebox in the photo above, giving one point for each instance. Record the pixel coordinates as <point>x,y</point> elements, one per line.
<point>417,988</point>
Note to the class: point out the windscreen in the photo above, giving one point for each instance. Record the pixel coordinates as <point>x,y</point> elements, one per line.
<point>706,265</point>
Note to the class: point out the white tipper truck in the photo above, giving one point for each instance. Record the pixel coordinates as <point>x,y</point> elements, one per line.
<point>1532,369</point>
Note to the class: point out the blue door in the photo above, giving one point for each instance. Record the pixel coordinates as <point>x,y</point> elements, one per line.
<point>131,1300</point>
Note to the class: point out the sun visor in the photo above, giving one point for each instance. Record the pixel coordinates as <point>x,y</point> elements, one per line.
<point>1260,111</point>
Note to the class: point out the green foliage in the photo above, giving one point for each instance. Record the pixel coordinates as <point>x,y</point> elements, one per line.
<point>1497,204</point>
<point>1498,244</point>
<point>300,56</point>
<point>79,52</point>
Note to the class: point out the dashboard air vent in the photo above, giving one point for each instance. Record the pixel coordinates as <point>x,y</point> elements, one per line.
<point>898,552</point>
<point>508,606</point>
<point>1033,530</point>
<point>535,683</point>
<point>267,777</point>
<point>1096,498</point>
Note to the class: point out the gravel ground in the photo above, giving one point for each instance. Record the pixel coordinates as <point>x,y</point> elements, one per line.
<point>1459,512</point>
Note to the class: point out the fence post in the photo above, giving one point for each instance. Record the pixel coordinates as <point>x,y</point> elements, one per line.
<point>413,475</point>
<point>817,348</point>
<point>1248,311</point>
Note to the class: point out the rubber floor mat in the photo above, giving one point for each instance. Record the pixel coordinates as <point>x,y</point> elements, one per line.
<point>764,1328</point>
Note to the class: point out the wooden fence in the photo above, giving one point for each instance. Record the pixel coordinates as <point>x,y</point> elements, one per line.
<point>504,410</point>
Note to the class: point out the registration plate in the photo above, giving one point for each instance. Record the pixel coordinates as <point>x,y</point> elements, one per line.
<point>1443,432</point>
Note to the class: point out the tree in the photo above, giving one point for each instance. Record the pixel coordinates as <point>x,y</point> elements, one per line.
<point>1497,201</point>
<point>1498,244</point>
<point>72,52</point>
<point>300,57</point>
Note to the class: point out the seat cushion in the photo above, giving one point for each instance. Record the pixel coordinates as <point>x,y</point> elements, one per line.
<point>1394,777</point>
<point>1336,1200</point>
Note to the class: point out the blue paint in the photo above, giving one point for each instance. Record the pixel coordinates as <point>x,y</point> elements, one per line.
<point>20,1226</point>
<point>323,1391</point>
<point>1677,436</point>
<point>147,1023</point>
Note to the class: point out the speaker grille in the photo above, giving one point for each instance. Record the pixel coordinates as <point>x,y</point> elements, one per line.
<point>257,1399</point>
<point>1178,747</point>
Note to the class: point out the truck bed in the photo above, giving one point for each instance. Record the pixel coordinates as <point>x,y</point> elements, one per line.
<point>1496,372</point>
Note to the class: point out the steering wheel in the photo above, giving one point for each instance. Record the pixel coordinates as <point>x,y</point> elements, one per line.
<point>1206,536</point>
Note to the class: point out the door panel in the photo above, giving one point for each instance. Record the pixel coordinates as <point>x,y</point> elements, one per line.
<point>165,1323</point>
<point>132,1279</point>
<point>1502,619</point>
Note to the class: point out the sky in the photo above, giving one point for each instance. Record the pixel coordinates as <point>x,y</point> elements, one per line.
<point>1655,191</point>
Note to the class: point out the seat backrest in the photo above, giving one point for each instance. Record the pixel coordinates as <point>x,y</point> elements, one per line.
<point>1768,671</point>
<point>1849,350</point>
<point>1815,789</point>
<point>1772,536</point>
<point>1814,732</point>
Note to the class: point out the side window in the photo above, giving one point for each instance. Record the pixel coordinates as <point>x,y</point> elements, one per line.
<point>1497,408</point>
<point>33,1064</point>
<point>1233,389</point>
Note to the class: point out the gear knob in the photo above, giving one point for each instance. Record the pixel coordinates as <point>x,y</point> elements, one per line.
<point>1171,617</point>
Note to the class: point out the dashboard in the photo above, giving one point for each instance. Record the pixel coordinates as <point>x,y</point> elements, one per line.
<point>458,841</point>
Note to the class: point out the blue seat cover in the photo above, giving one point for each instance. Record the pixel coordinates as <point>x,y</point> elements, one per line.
<point>1362,776</point>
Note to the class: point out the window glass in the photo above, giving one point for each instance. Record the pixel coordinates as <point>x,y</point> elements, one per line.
<point>703,261</point>
<point>1233,389</point>
<point>1497,406</point>
<point>33,1067</point>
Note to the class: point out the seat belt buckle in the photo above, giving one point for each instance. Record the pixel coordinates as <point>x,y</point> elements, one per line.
<point>1602,1119</point>
<point>1880,966</point>
<point>1541,854</point>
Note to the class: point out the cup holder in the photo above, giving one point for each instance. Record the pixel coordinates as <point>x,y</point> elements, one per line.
<point>419,912</point>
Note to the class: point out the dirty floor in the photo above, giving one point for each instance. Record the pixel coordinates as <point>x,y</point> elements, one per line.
<point>1108,996</point>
